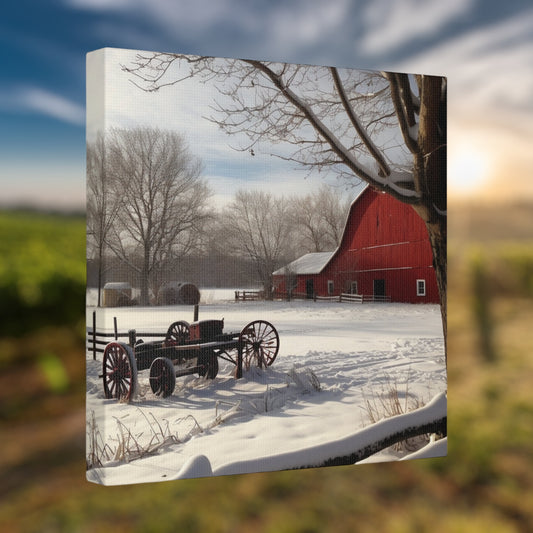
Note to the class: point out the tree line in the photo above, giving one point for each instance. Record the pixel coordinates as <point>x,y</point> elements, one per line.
<point>151,218</point>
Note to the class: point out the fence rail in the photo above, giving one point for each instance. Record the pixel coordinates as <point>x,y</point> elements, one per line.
<point>355,298</point>
<point>344,297</point>
<point>96,341</point>
<point>361,298</point>
<point>249,295</point>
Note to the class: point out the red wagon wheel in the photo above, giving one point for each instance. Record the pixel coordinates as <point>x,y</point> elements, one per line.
<point>119,371</point>
<point>177,333</point>
<point>162,377</point>
<point>260,344</point>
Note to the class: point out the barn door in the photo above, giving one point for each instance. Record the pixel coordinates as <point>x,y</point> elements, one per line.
<point>309,288</point>
<point>379,287</point>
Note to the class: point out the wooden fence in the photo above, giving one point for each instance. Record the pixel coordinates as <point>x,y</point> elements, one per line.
<point>361,298</point>
<point>249,295</point>
<point>96,341</point>
<point>344,297</point>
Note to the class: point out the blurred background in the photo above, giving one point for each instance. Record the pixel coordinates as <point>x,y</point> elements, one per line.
<point>485,48</point>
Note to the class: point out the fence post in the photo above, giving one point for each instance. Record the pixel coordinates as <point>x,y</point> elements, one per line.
<point>115,326</point>
<point>94,335</point>
<point>196,310</point>
<point>132,337</point>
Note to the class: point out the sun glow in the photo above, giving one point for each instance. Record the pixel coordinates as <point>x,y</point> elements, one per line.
<point>468,170</point>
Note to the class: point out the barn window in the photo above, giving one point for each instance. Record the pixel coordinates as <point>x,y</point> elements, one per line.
<point>420,287</point>
<point>331,286</point>
<point>353,288</point>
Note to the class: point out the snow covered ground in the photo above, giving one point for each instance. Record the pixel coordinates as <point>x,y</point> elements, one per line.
<point>309,405</point>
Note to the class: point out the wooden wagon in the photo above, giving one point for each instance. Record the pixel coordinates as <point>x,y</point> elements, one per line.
<point>186,349</point>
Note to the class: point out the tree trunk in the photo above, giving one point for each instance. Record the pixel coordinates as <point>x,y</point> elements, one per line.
<point>100,274</point>
<point>430,177</point>
<point>438,427</point>
<point>145,300</point>
<point>438,237</point>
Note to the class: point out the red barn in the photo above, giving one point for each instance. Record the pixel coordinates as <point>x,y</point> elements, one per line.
<point>384,253</point>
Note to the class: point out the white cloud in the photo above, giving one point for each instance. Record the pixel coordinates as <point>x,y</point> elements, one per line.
<point>43,102</point>
<point>236,27</point>
<point>102,5</point>
<point>188,15</point>
<point>489,68</point>
<point>392,24</point>
<point>306,23</point>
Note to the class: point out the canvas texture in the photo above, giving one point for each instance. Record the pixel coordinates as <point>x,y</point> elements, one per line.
<point>266,266</point>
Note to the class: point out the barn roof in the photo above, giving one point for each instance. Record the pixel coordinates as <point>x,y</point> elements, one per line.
<point>311,263</point>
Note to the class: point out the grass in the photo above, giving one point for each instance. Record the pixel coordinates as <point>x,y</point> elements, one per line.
<point>391,401</point>
<point>484,485</point>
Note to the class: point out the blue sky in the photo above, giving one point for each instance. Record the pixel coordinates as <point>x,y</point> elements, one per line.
<point>484,47</point>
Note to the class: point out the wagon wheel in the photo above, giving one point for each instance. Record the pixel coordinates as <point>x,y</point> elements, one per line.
<point>162,377</point>
<point>260,344</point>
<point>119,371</point>
<point>177,333</point>
<point>208,365</point>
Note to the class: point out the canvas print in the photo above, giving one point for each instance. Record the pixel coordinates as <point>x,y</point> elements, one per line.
<point>266,266</point>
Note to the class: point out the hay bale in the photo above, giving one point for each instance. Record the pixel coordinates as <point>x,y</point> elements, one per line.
<point>178,293</point>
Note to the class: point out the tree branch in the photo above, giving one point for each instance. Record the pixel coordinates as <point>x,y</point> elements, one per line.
<point>371,147</point>
<point>401,106</point>
<point>382,183</point>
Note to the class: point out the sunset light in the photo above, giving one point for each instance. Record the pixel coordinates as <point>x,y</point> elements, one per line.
<point>468,169</point>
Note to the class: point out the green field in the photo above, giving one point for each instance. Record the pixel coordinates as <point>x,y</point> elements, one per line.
<point>42,270</point>
<point>484,485</point>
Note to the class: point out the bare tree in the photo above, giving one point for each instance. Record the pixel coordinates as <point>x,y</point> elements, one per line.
<point>335,120</point>
<point>102,206</point>
<point>163,200</point>
<point>256,225</point>
<point>318,220</point>
<point>308,230</point>
<point>334,209</point>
